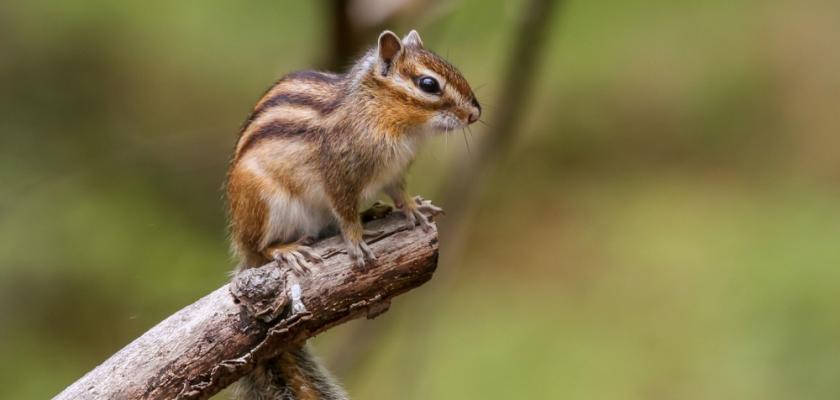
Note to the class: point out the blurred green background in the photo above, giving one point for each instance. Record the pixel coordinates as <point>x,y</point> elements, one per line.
<point>665,225</point>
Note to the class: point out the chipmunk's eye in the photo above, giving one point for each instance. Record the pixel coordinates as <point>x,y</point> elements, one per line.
<point>428,84</point>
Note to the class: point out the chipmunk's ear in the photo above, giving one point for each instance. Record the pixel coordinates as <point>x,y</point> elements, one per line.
<point>413,39</point>
<point>389,48</point>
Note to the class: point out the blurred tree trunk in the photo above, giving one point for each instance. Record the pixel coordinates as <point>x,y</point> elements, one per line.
<point>355,25</point>
<point>344,37</point>
<point>465,183</point>
<point>461,191</point>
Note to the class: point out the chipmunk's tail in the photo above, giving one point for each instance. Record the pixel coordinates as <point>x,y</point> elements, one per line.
<point>292,375</point>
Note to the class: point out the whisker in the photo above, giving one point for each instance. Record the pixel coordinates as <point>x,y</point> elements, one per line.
<point>488,106</point>
<point>484,123</point>
<point>446,140</point>
<point>469,130</point>
<point>466,142</point>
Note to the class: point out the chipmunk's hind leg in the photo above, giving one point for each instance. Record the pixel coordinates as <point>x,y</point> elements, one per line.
<point>296,255</point>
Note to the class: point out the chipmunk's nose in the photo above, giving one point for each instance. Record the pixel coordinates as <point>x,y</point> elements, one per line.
<point>475,113</point>
<point>474,116</point>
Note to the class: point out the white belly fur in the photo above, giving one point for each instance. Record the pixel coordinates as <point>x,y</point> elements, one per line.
<point>290,217</point>
<point>399,156</point>
<point>310,213</point>
<point>293,218</point>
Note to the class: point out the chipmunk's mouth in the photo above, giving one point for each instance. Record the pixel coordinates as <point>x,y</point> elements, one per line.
<point>446,122</point>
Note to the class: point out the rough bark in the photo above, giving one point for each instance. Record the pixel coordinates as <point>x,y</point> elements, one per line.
<point>211,343</point>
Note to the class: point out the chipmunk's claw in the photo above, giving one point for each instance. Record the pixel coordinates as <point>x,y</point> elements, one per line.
<point>361,254</point>
<point>298,258</point>
<point>417,215</point>
<point>410,219</point>
<point>310,254</point>
<point>426,206</point>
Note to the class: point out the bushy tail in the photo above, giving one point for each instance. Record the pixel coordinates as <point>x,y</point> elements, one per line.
<point>292,375</point>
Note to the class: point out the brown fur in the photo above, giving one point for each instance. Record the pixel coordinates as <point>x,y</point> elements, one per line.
<point>292,375</point>
<point>317,82</point>
<point>298,381</point>
<point>420,56</point>
<point>277,129</point>
<point>243,192</point>
<point>317,140</point>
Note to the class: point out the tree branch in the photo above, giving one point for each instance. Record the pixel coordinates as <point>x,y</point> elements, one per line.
<point>211,343</point>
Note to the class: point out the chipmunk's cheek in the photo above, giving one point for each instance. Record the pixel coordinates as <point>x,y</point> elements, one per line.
<point>400,120</point>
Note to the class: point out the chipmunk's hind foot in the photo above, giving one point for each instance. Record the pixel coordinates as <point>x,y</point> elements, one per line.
<point>297,256</point>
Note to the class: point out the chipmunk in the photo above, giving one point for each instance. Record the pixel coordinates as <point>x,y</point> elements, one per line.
<point>315,146</point>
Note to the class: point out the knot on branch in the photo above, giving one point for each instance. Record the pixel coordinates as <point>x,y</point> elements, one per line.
<point>256,289</point>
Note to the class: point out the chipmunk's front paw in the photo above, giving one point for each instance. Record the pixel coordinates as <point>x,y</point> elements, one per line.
<point>361,254</point>
<point>416,215</point>
<point>427,207</point>
<point>298,257</point>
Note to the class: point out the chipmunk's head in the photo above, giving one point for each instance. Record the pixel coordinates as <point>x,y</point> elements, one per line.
<point>426,90</point>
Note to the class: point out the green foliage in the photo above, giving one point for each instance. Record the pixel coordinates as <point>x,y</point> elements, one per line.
<point>665,225</point>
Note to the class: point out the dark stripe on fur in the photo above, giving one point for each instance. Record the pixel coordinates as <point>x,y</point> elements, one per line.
<point>441,67</point>
<point>324,107</point>
<point>253,114</point>
<point>405,98</point>
<point>277,129</point>
<point>301,99</point>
